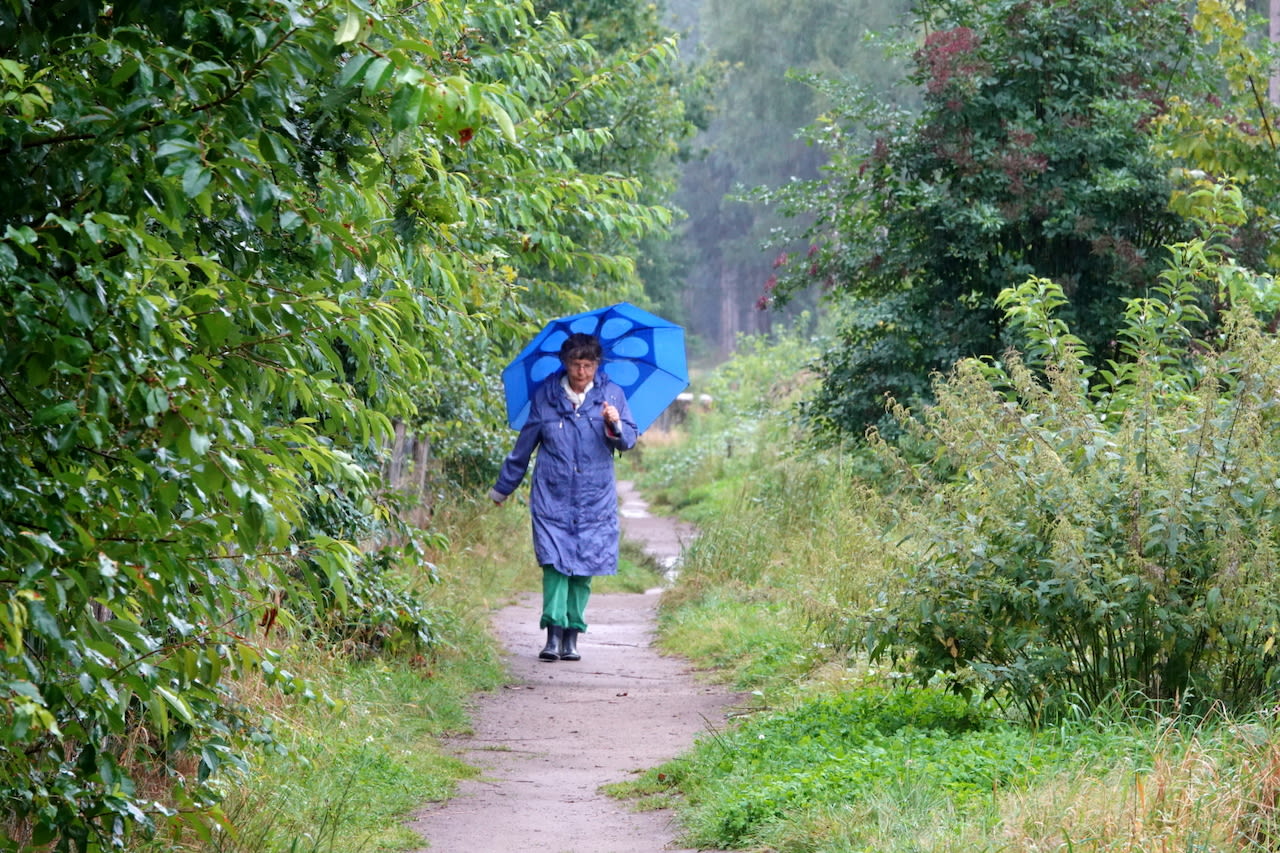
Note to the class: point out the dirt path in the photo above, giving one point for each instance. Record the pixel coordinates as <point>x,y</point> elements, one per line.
<point>556,732</point>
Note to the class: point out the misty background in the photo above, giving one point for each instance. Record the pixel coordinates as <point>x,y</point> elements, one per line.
<point>727,247</point>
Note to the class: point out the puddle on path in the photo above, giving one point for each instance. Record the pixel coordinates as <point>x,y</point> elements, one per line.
<point>662,538</point>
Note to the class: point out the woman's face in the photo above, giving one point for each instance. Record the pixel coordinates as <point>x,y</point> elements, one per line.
<point>580,371</point>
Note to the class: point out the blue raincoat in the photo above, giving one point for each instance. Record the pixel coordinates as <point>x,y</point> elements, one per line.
<point>574,498</point>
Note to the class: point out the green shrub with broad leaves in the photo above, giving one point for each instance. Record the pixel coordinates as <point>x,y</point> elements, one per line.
<point>238,240</point>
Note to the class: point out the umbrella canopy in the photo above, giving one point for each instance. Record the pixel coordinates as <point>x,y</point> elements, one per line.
<point>643,353</point>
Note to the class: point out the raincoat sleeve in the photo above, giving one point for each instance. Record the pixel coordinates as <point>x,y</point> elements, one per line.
<point>624,437</point>
<point>517,461</point>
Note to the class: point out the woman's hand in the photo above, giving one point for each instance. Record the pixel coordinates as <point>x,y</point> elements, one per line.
<point>610,413</point>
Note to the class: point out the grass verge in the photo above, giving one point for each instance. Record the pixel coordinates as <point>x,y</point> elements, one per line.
<point>341,771</point>
<point>837,756</point>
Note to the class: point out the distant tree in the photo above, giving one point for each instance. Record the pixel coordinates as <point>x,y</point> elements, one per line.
<point>1032,155</point>
<point>752,139</point>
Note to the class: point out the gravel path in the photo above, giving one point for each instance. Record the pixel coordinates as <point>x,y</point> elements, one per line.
<point>556,732</point>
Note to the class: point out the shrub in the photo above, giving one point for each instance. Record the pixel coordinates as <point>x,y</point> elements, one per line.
<point>1103,534</point>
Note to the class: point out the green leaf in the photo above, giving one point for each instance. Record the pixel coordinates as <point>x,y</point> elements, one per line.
<point>378,75</point>
<point>195,179</point>
<point>353,68</point>
<point>504,123</point>
<point>158,710</point>
<point>178,704</point>
<point>198,442</point>
<point>349,29</point>
<point>57,413</point>
<point>407,105</point>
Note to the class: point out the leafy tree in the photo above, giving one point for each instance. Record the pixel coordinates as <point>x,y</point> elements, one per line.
<point>650,120</point>
<point>236,240</point>
<point>563,217</point>
<point>1032,155</point>
<point>1227,135</point>
<point>614,108</point>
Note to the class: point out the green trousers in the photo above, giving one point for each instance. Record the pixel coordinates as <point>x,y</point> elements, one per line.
<point>564,599</point>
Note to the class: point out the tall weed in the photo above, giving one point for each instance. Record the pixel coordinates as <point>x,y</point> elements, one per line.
<point>1087,540</point>
<point>1110,531</point>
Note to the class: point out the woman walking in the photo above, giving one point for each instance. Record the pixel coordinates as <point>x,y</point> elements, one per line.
<point>578,417</point>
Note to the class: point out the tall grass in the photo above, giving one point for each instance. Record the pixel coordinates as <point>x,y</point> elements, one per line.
<point>767,589</point>
<point>1212,787</point>
<point>794,559</point>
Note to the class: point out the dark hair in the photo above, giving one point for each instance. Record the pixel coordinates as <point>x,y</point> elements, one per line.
<point>581,347</point>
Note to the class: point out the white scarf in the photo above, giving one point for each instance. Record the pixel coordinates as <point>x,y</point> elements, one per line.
<point>574,397</point>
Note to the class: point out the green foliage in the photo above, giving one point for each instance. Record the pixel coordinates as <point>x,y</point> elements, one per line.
<point>746,786</point>
<point>237,242</point>
<point>789,542</point>
<point>1113,542</point>
<point>776,592</point>
<point>774,586</point>
<point>610,118</point>
<point>558,218</point>
<point>751,140</point>
<point>1033,155</point>
<point>742,416</point>
<point>650,120</point>
<point>1227,135</point>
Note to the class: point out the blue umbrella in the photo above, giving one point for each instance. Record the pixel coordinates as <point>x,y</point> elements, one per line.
<point>643,353</point>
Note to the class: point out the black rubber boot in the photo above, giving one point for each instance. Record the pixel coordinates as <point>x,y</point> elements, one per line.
<point>555,637</point>
<point>569,646</point>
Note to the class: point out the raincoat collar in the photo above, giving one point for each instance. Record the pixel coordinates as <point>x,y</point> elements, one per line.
<point>595,392</point>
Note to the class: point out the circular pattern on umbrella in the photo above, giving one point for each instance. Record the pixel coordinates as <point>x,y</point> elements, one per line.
<point>643,353</point>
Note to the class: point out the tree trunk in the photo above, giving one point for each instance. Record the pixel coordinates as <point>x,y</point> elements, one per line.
<point>729,297</point>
